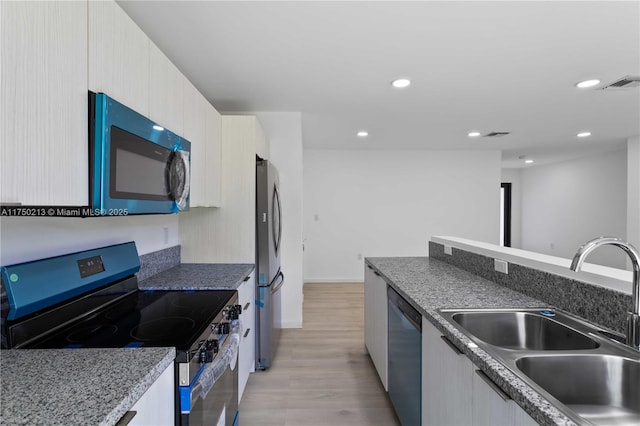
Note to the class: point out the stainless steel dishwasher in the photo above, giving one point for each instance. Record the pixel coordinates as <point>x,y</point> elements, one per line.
<point>405,359</point>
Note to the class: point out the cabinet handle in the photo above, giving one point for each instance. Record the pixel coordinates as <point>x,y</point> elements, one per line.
<point>369,266</point>
<point>126,418</point>
<point>246,278</point>
<point>493,385</point>
<point>376,272</point>
<point>451,345</point>
<point>246,306</point>
<point>246,333</point>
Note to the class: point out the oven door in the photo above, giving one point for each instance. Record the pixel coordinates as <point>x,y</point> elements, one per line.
<point>137,166</point>
<point>212,395</point>
<point>219,407</point>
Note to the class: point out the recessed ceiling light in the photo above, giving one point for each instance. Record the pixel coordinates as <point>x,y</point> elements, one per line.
<point>528,161</point>
<point>583,134</point>
<point>587,83</point>
<point>158,128</point>
<point>362,134</point>
<point>474,134</point>
<point>401,83</point>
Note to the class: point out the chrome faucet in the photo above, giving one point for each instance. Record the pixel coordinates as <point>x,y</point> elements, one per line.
<point>633,317</point>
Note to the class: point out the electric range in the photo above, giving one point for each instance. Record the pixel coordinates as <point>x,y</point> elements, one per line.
<point>91,299</point>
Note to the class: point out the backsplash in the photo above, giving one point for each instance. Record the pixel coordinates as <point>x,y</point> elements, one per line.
<point>158,261</point>
<point>597,304</point>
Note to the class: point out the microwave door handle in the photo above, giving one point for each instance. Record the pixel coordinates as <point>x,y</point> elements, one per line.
<point>180,180</point>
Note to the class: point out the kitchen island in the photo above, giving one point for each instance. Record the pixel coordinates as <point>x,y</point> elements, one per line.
<point>429,284</point>
<point>80,386</point>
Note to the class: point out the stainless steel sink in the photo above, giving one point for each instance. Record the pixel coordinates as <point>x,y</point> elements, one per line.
<point>591,378</point>
<point>603,389</point>
<point>523,330</point>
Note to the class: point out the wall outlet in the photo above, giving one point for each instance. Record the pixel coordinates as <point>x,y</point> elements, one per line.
<point>501,266</point>
<point>165,232</point>
<point>447,250</point>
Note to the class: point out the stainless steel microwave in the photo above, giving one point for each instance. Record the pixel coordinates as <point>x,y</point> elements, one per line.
<point>136,166</point>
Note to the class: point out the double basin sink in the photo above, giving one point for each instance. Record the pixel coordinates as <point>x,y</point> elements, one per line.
<point>578,367</point>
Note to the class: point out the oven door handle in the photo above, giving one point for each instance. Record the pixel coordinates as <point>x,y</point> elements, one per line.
<point>278,285</point>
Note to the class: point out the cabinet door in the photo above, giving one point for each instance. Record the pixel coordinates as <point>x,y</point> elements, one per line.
<point>382,329</point>
<point>118,56</point>
<point>246,363</point>
<point>376,322</point>
<point>492,407</point>
<point>156,406</point>
<point>446,381</point>
<point>195,132</point>
<point>213,158</point>
<point>369,309</point>
<point>44,107</point>
<point>166,91</point>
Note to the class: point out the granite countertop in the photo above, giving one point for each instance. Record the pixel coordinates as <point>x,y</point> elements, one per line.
<point>429,284</point>
<point>199,276</point>
<point>76,386</point>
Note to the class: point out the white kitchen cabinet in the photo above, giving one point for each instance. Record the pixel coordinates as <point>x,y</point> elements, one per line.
<point>227,234</point>
<point>446,380</point>
<point>156,406</point>
<point>247,351</point>
<point>43,103</point>
<point>194,130</point>
<point>166,91</point>
<point>376,321</point>
<point>213,169</point>
<point>491,407</point>
<point>202,128</point>
<point>118,56</point>
<point>455,394</point>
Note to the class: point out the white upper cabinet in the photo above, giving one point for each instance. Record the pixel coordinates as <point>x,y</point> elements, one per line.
<point>118,56</point>
<point>213,170</point>
<point>166,91</point>
<point>202,127</point>
<point>43,101</point>
<point>195,132</point>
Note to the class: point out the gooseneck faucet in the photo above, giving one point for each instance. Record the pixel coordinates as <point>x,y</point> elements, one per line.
<point>633,317</point>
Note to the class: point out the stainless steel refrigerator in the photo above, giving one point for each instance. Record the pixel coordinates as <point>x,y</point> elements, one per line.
<point>268,273</point>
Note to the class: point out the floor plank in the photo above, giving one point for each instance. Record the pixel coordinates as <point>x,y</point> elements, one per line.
<point>322,374</point>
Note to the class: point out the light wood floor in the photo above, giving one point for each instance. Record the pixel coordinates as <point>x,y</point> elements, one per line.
<point>322,374</point>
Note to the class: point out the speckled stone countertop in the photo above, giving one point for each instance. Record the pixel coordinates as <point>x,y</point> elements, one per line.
<point>429,284</point>
<point>76,386</point>
<point>199,276</point>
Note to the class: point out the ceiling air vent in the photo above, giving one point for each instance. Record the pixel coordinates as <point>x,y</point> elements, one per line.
<point>495,134</point>
<point>624,83</point>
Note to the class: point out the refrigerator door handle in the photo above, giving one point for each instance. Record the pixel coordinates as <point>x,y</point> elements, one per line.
<point>276,287</point>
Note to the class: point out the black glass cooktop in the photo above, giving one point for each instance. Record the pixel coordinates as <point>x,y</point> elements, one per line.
<point>144,318</point>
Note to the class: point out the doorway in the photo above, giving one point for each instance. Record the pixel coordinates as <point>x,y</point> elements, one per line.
<point>505,214</point>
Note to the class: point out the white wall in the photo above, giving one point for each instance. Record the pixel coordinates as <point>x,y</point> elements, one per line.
<point>24,238</point>
<point>514,176</point>
<point>284,131</point>
<point>568,203</point>
<point>389,203</point>
<point>633,191</point>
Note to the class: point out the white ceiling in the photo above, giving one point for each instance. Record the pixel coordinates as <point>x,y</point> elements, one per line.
<point>474,65</point>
